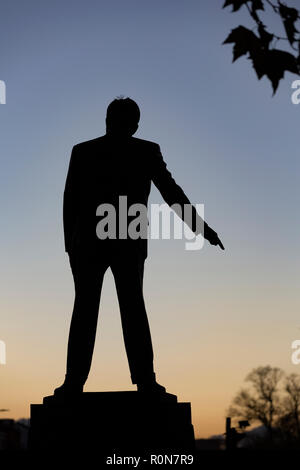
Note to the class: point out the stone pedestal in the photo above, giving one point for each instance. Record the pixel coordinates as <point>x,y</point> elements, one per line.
<point>120,423</point>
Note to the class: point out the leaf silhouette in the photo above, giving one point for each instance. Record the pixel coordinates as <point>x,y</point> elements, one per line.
<point>273,63</point>
<point>244,41</point>
<point>237,4</point>
<point>265,36</point>
<point>289,17</point>
<point>258,46</point>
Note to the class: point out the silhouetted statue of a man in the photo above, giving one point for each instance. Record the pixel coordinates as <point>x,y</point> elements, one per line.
<point>100,171</point>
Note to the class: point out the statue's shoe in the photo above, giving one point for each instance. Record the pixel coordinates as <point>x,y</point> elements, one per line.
<point>66,391</point>
<point>150,387</point>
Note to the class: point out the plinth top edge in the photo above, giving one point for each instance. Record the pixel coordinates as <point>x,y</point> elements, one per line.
<point>125,396</point>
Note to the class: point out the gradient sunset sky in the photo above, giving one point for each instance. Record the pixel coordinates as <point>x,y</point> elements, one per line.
<point>214,315</point>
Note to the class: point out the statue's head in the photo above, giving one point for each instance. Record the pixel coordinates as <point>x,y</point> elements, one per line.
<point>122,117</point>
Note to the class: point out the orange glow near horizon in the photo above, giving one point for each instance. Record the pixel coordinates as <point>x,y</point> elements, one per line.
<point>201,359</point>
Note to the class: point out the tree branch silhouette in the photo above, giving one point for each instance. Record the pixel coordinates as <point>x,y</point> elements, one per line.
<point>260,48</point>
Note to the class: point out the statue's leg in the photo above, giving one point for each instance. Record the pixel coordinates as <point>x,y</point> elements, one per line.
<point>128,274</point>
<point>88,272</point>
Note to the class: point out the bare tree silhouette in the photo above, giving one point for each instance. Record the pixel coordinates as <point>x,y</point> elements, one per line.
<point>262,403</point>
<point>289,421</point>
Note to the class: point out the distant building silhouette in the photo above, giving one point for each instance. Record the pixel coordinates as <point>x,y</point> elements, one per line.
<point>13,434</point>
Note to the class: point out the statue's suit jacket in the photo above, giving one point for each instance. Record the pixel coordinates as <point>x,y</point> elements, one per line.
<point>100,171</point>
